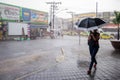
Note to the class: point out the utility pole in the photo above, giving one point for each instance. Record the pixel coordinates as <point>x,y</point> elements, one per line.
<point>96,9</point>
<point>52,12</point>
<point>1,21</point>
<point>72,14</point>
<point>72,21</point>
<point>50,23</point>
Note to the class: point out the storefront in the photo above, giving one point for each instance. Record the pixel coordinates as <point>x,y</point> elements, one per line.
<point>39,23</point>
<point>8,13</point>
<point>37,20</point>
<point>37,30</point>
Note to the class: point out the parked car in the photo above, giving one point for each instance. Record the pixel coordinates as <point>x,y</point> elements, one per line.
<point>74,33</point>
<point>116,36</point>
<point>69,33</point>
<point>84,33</point>
<point>106,36</point>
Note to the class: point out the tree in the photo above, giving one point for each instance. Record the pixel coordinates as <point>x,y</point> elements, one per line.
<point>116,21</point>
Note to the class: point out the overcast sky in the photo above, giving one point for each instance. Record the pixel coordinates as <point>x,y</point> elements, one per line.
<point>77,6</point>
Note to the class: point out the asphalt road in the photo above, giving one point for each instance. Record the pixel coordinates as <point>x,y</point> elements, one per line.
<point>18,58</point>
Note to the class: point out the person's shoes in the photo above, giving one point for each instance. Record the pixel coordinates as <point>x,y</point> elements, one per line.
<point>88,72</point>
<point>95,66</point>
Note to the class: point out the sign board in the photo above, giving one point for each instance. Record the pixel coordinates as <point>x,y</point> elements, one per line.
<point>38,16</point>
<point>26,14</point>
<point>9,12</point>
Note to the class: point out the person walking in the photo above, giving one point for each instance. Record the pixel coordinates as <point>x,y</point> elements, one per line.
<point>90,42</point>
<point>93,42</point>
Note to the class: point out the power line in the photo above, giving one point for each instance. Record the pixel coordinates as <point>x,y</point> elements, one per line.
<point>52,12</point>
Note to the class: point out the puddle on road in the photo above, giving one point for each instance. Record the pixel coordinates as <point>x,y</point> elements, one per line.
<point>32,59</point>
<point>81,63</point>
<point>16,63</point>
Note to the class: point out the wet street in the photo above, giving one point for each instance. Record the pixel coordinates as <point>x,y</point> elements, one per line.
<point>57,59</point>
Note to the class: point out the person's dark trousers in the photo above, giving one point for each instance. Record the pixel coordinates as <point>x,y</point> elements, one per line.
<point>93,52</point>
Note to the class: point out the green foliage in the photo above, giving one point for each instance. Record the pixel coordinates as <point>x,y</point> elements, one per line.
<point>116,20</point>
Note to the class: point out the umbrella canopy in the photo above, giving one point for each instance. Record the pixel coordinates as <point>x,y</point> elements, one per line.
<point>99,21</point>
<point>90,23</point>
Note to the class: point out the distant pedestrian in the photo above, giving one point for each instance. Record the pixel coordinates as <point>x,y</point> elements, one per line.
<point>93,42</point>
<point>4,33</point>
<point>62,35</point>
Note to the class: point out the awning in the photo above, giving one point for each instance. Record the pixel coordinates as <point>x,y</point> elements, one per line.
<point>110,25</point>
<point>38,26</point>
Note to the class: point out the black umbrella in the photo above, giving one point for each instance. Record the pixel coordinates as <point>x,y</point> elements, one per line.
<point>90,23</point>
<point>99,21</point>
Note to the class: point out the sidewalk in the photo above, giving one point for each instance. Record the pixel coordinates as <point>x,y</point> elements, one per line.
<point>75,63</point>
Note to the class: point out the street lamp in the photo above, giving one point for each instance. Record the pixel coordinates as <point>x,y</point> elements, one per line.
<point>59,21</point>
<point>72,14</point>
<point>96,9</point>
<point>61,10</point>
<point>96,5</point>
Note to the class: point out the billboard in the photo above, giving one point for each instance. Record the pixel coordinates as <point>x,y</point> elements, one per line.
<point>39,17</point>
<point>9,12</point>
<point>26,14</point>
<point>17,28</point>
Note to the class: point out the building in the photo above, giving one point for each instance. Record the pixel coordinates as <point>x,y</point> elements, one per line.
<point>106,16</point>
<point>37,20</point>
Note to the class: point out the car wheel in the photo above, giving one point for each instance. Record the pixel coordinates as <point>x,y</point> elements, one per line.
<point>111,38</point>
